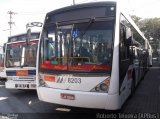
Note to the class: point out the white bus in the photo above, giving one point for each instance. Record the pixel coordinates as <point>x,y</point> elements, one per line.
<point>90,55</point>
<point>2,70</point>
<point>20,61</point>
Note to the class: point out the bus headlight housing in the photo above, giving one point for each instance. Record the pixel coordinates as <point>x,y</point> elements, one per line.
<point>103,87</point>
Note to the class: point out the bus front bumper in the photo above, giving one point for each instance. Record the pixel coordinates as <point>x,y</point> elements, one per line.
<point>79,98</point>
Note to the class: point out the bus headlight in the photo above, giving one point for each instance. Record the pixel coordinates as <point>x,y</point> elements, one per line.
<point>102,87</point>
<point>41,81</point>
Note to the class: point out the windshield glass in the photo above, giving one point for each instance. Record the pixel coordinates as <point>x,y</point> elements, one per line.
<point>20,54</point>
<point>83,46</point>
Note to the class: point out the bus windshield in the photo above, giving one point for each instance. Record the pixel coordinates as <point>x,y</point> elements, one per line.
<point>21,55</point>
<point>85,46</point>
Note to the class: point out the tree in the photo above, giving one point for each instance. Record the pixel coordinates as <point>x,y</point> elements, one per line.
<point>136,19</point>
<point>151,29</point>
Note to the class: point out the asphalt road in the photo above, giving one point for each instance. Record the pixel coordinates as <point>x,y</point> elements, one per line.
<point>24,104</point>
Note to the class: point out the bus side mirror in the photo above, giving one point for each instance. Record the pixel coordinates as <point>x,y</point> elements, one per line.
<point>128,37</point>
<point>28,36</point>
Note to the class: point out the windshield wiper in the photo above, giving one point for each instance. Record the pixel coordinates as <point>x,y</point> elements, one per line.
<point>91,21</point>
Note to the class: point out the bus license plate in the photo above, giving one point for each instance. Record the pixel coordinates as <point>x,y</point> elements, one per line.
<point>22,85</point>
<point>67,96</point>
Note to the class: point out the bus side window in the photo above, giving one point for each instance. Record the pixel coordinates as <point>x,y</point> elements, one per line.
<point>124,55</point>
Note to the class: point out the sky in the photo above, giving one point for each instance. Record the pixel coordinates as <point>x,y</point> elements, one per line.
<point>35,11</point>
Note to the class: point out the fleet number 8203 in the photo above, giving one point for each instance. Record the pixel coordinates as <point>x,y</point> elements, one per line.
<point>74,80</point>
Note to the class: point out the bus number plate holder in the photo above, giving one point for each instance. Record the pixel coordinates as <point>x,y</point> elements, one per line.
<point>21,85</point>
<point>67,96</point>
